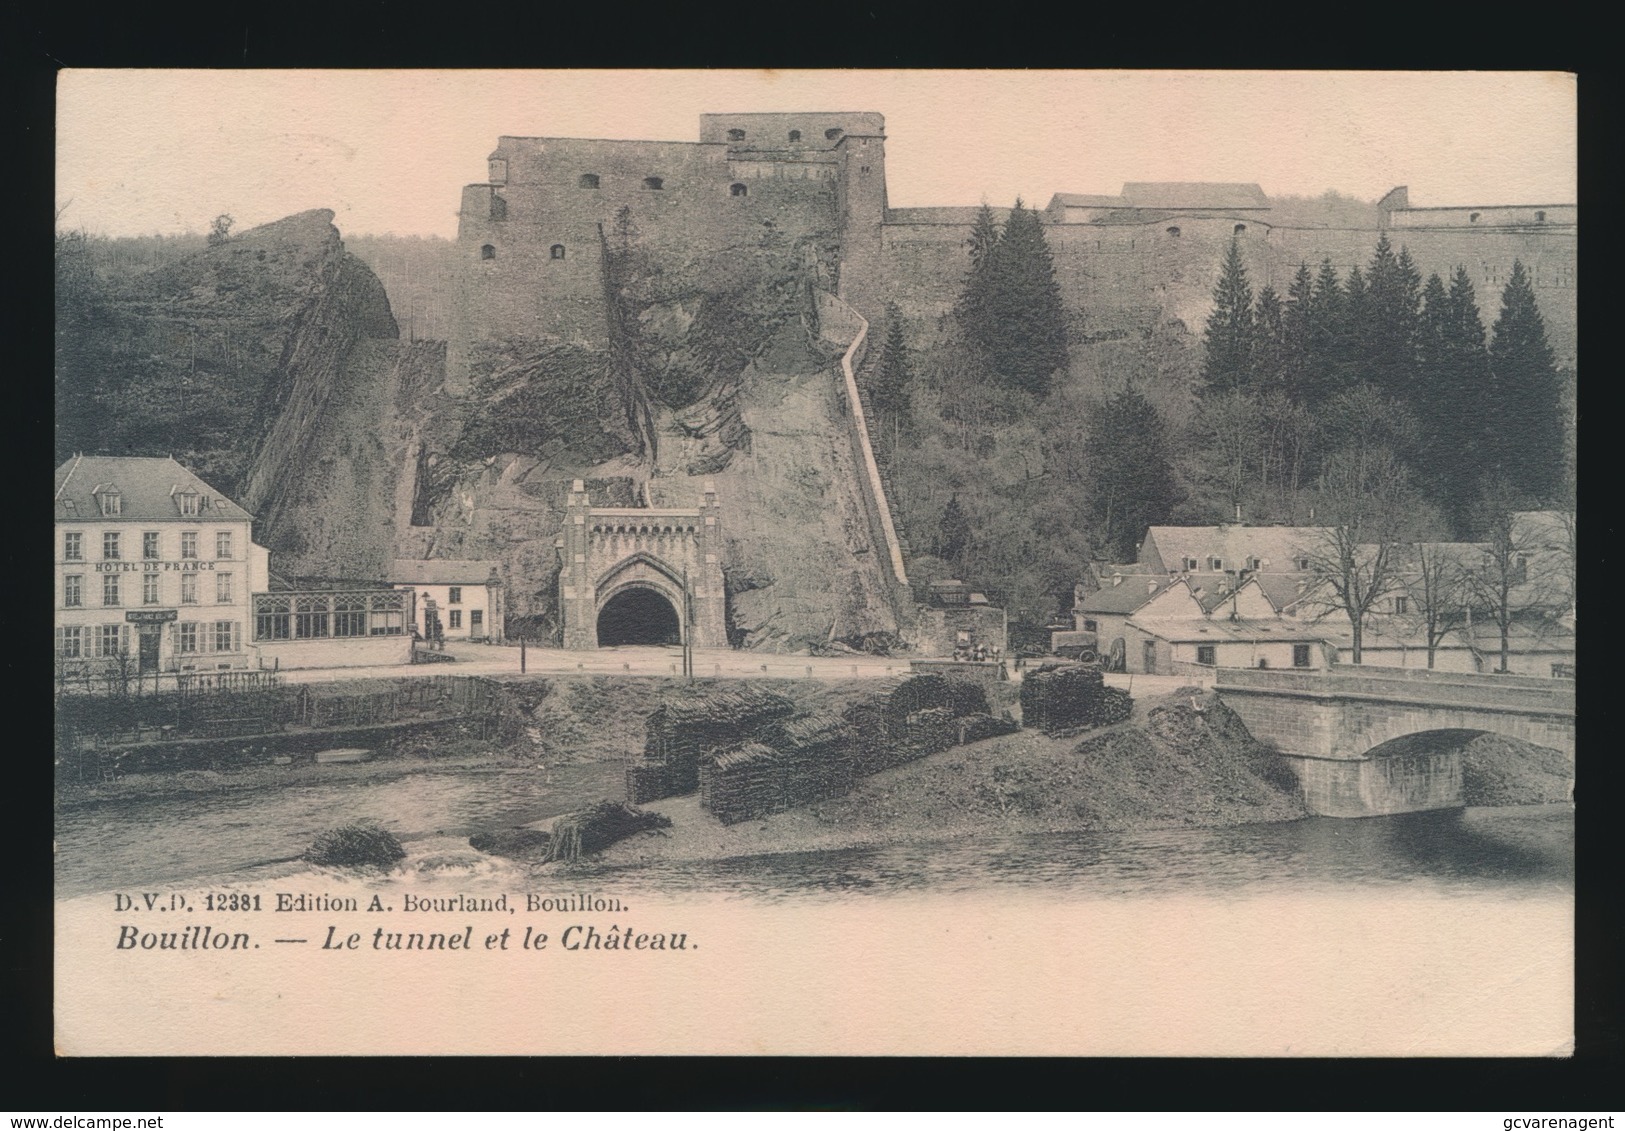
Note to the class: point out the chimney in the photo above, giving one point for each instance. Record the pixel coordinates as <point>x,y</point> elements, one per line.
<point>1151,586</point>
<point>1117,579</point>
<point>1238,513</point>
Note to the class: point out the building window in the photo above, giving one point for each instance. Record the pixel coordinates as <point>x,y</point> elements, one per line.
<point>498,171</point>
<point>737,189</point>
<point>188,502</point>
<point>476,621</point>
<point>1190,563</point>
<point>1173,231</point>
<point>1402,604</point>
<point>387,616</point>
<point>1300,655</point>
<point>310,619</point>
<point>1472,217</point>
<point>587,180</point>
<point>350,615</point>
<point>149,588</point>
<point>556,251</point>
<point>1302,565</point>
<point>73,591</point>
<point>110,594</point>
<point>487,252</point>
<point>1239,229</point>
<point>112,503</point>
<point>454,618</point>
<point>70,642</point>
<point>1215,565</point>
<point>1090,626</point>
<point>225,636</point>
<point>110,546</point>
<point>149,545</point>
<point>73,546</point>
<point>832,133</point>
<point>186,637</point>
<point>1204,654</point>
<point>1520,569</point>
<point>222,545</point>
<point>271,617</point>
<point>454,595</point>
<point>222,589</point>
<point>188,588</point>
<point>1540,217</point>
<point>189,543</point>
<point>499,207</point>
<point>654,183</point>
<point>736,135</point>
<point>795,135</point>
<point>110,640</point>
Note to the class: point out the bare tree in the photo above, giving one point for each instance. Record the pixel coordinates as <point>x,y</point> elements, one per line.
<point>1440,590</point>
<point>1365,498</point>
<point>1523,578</point>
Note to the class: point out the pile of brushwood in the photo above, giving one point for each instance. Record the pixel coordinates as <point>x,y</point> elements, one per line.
<point>363,842</point>
<point>692,723</point>
<point>1056,698</point>
<point>923,715</point>
<point>592,830</point>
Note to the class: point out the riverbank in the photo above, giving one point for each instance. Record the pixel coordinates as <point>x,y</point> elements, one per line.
<point>1180,761</point>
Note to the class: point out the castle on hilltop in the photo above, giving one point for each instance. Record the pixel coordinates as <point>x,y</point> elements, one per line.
<point>532,234</point>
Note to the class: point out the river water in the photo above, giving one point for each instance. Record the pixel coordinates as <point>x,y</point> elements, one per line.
<point>243,835</point>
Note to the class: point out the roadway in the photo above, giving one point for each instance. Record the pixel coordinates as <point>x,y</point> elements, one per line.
<point>723,663</point>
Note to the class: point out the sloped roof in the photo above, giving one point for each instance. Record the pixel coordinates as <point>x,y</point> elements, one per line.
<point>1234,543</point>
<point>1085,200</point>
<point>1193,194</point>
<point>1134,590</point>
<point>1205,630</point>
<point>147,487</point>
<point>441,571</point>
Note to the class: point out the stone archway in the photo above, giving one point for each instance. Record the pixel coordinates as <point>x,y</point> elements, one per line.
<point>638,614</point>
<point>608,552</point>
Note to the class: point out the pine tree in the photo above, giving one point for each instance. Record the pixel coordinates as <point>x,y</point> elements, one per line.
<point>1297,318</point>
<point>1388,347</point>
<point>891,391</point>
<point>1270,351</point>
<point>1227,367</point>
<point>1131,475</point>
<point>1024,330</point>
<point>1324,323</point>
<point>974,312</point>
<point>1352,334</point>
<point>1527,394</point>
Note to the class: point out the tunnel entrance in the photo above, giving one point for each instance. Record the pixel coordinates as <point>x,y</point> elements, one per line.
<point>638,616</point>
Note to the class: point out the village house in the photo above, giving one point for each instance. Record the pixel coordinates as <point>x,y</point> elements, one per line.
<point>155,571</point>
<point>1241,596</point>
<point>463,599</point>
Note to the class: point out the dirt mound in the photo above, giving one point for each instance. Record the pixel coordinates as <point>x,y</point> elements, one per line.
<point>1504,771</point>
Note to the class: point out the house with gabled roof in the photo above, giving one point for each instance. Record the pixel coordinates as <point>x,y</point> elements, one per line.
<point>155,571</point>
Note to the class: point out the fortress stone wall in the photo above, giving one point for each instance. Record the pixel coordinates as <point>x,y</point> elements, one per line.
<point>530,245</point>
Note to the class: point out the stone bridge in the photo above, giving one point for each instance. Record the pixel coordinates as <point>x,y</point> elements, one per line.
<point>628,574</point>
<point>1366,741</point>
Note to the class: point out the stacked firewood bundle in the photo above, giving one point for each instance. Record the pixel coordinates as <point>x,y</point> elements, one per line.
<point>1056,698</point>
<point>744,782</point>
<point>583,833</point>
<point>693,722</point>
<point>818,749</point>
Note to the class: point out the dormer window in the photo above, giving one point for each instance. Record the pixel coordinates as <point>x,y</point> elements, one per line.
<point>737,189</point>
<point>1472,217</point>
<point>556,251</point>
<point>112,502</point>
<point>1302,565</point>
<point>1216,565</point>
<point>1540,217</point>
<point>1174,232</point>
<point>189,502</point>
<point>1190,564</point>
<point>71,507</point>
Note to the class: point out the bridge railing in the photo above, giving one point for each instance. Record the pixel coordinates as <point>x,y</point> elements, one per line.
<point>1461,689</point>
